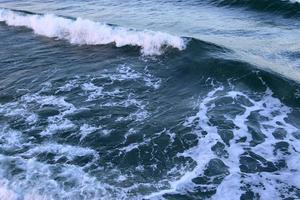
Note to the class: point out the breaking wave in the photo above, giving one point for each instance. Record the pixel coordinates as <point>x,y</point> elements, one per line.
<point>86,32</point>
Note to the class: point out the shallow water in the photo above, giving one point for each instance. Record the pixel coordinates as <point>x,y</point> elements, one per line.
<point>115,100</point>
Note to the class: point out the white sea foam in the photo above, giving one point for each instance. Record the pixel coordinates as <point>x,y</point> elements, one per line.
<point>57,122</point>
<point>93,90</point>
<point>10,139</point>
<point>125,72</point>
<point>49,100</point>
<point>266,184</point>
<point>70,85</point>
<point>86,129</point>
<point>6,193</point>
<point>41,181</point>
<point>14,109</point>
<point>82,31</point>
<point>60,150</point>
<point>200,153</point>
<point>139,115</point>
<point>57,125</point>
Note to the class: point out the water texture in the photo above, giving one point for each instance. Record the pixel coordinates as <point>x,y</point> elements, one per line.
<point>149,100</point>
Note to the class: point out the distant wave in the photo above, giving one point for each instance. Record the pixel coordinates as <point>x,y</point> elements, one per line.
<point>83,31</point>
<point>287,8</point>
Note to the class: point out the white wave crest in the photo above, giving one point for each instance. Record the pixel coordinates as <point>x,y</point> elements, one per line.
<point>82,31</point>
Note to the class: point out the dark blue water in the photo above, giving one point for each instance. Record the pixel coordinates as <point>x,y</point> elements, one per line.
<point>149,100</point>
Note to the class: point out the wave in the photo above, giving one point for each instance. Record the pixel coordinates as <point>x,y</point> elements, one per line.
<point>287,8</point>
<point>86,32</point>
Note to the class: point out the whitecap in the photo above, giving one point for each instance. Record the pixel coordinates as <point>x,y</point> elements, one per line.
<point>83,31</point>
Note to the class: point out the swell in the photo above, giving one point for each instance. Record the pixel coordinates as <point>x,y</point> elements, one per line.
<point>87,32</point>
<point>287,8</point>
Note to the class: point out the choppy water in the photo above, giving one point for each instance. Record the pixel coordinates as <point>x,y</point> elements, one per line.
<point>149,99</point>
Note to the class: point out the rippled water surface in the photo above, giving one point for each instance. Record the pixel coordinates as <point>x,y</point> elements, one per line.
<point>149,100</point>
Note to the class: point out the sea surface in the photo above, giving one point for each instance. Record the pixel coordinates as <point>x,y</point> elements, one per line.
<point>149,99</point>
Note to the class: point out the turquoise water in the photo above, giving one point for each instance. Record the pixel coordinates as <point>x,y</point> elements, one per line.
<point>149,100</point>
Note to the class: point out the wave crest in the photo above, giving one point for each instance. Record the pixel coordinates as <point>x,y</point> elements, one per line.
<point>83,31</point>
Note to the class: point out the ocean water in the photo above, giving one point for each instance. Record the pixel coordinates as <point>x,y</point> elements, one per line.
<point>149,99</point>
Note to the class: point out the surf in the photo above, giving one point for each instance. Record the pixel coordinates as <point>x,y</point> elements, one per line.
<point>86,32</point>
